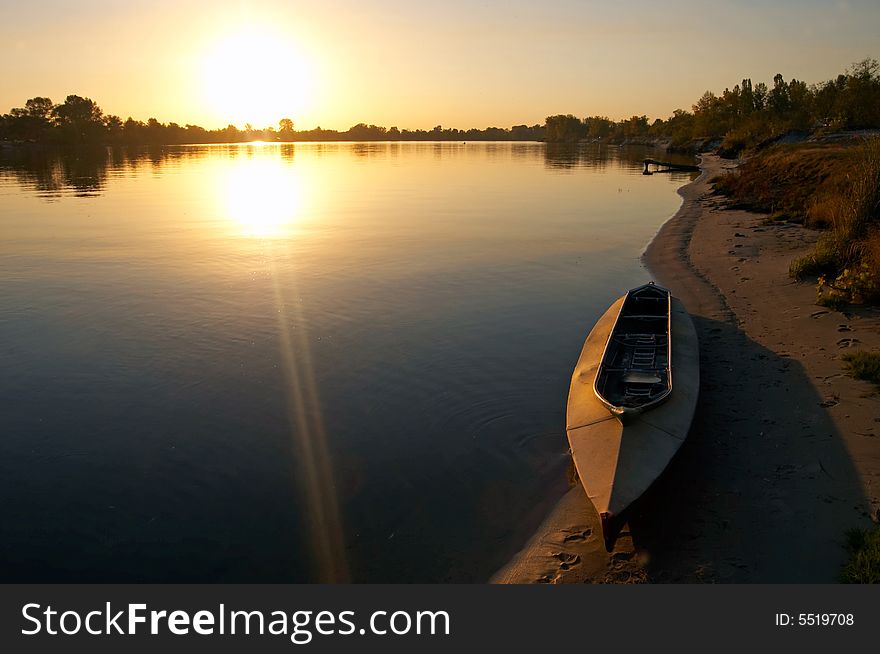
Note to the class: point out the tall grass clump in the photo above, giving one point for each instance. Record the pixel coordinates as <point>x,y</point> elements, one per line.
<point>856,211</point>
<point>823,261</point>
<point>863,566</point>
<point>863,365</point>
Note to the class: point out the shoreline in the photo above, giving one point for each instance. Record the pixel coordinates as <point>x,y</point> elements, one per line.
<point>783,454</point>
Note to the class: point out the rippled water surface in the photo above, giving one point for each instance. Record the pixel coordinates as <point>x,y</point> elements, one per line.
<point>298,362</point>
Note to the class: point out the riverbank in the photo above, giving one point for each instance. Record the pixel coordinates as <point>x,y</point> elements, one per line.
<point>784,452</point>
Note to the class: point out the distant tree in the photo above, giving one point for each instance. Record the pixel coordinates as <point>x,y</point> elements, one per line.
<point>859,104</point>
<point>800,106</point>
<point>114,128</point>
<point>195,134</point>
<point>40,108</point>
<point>746,99</point>
<point>286,129</point>
<point>364,132</point>
<point>524,133</point>
<point>564,128</point>
<point>636,126</point>
<point>31,123</point>
<point>598,127</point>
<point>133,131</point>
<point>79,120</point>
<point>230,134</point>
<point>778,101</point>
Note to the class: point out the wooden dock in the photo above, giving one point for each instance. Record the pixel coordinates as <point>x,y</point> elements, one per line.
<point>667,167</point>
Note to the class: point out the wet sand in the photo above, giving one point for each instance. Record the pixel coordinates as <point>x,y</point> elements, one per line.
<point>783,455</point>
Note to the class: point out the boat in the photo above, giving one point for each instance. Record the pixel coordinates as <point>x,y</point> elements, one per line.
<point>625,420</point>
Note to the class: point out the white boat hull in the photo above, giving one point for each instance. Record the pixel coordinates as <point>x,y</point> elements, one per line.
<point>617,461</point>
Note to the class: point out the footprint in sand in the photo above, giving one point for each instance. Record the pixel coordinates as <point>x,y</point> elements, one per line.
<point>847,342</point>
<point>577,534</point>
<point>818,313</point>
<point>567,560</point>
<point>844,328</point>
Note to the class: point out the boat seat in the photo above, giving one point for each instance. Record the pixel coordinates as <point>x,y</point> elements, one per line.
<point>638,391</point>
<point>653,340</point>
<point>637,377</point>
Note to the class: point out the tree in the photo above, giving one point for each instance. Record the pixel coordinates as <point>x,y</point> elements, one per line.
<point>40,108</point>
<point>778,100</point>
<point>285,129</point>
<point>114,127</point>
<point>564,128</point>
<point>598,127</point>
<point>861,96</point>
<point>635,126</point>
<point>79,119</point>
<point>31,123</point>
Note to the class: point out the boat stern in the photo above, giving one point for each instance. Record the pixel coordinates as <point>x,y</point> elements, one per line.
<point>609,533</point>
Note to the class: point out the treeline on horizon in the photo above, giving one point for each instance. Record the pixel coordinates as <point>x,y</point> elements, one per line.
<point>744,116</point>
<point>80,120</point>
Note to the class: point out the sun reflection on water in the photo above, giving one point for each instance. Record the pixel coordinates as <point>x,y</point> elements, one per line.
<point>263,196</point>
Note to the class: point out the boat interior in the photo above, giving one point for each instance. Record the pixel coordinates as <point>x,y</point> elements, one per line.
<point>635,368</point>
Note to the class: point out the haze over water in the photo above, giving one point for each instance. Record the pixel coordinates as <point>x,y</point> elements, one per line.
<point>299,362</point>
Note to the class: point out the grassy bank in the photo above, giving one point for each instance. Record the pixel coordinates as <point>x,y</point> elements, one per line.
<point>834,187</point>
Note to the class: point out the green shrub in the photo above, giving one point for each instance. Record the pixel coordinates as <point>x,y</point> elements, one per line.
<point>856,285</point>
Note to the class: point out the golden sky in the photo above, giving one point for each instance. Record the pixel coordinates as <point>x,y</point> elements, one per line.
<point>416,63</point>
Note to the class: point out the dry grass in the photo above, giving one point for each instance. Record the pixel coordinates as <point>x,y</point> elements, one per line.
<point>863,365</point>
<point>863,566</point>
<point>871,249</point>
<point>820,211</point>
<point>822,261</point>
<point>786,179</point>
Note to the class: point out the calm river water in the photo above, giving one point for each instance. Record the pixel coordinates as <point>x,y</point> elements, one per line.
<point>299,362</point>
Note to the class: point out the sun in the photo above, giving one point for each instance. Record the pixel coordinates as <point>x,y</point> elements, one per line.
<point>256,76</point>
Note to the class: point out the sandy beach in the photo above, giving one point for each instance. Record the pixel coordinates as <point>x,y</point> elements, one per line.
<point>783,455</point>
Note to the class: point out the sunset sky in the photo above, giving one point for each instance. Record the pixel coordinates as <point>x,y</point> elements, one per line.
<point>416,63</point>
